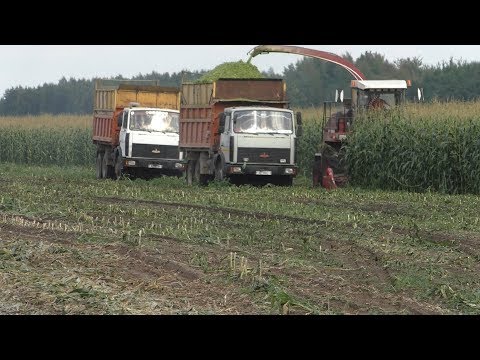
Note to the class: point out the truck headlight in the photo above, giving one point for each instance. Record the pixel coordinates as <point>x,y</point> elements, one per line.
<point>235,169</point>
<point>131,162</point>
<point>178,166</point>
<point>289,171</point>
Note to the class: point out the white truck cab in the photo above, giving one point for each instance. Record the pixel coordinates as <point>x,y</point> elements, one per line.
<point>259,141</point>
<point>149,140</point>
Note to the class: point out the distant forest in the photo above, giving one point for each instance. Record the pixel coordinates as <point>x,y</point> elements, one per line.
<point>310,82</point>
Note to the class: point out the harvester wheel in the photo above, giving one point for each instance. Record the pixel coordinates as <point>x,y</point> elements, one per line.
<point>317,172</point>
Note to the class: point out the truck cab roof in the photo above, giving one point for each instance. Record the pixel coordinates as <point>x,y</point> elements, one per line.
<point>257,108</point>
<point>138,108</point>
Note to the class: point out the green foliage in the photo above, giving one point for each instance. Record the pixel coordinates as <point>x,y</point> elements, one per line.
<point>416,151</point>
<point>45,146</point>
<point>309,143</point>
<point>233,70</point>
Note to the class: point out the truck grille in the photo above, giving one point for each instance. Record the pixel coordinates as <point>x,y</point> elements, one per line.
<point>259,155</point>
<point>155,151</point>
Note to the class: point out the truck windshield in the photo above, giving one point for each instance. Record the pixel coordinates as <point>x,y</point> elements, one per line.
<point>154,120</point>
<point>262,121</point>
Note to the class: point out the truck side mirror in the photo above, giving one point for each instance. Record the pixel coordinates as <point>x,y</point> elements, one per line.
<point>299,124</point>
<point>221,125</point>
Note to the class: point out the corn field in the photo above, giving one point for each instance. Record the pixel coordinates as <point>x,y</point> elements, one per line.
<point>47,140</point>
<point>433,146</point>
<point>424,147</point>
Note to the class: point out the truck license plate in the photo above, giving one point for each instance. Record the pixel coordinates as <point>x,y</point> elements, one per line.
<point>263,172</point>
<point>155,166</point>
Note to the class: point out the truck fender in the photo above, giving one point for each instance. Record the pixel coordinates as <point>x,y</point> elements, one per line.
<point>116,153</point>
<point>191,155</point>
<point>218,161</point>
<point>219,166</point>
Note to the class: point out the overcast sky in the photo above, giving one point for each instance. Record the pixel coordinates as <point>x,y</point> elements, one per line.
<point>34,65</point>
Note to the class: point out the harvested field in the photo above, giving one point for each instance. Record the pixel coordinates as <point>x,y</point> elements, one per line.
<point>70,244</point>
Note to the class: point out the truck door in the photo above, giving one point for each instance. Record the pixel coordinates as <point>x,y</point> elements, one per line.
<point>225,138</point>
<point>124,143</point>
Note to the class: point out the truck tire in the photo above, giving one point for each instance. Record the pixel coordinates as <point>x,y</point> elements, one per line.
<point>98,166</point>
<point>286,181</point>
<point>219,170</point>
<point>204,178</point>
<point>118,166</point>
<point>107,170</point>
<point>193,172</point>
<point>196,176</point>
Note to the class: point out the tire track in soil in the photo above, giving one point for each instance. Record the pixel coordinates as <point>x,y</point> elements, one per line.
<point>354,256</point>
<point>180,282</point>
<point>379,279</point>
<point>346,288</point>
<point>238,212</point>
<point>469,246</point>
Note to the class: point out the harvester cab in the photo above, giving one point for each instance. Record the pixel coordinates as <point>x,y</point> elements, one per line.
<point>338,119</point>
<point>378,94</point>
<point>366,95</point>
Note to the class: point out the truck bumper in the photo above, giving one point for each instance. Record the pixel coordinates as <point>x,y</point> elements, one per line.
<point>262,170</point>
<point>160,165</point>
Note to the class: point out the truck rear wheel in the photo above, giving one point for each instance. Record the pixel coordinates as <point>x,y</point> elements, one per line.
<point>107,170</point>
<point>99,166</point>
<point>193,172</point>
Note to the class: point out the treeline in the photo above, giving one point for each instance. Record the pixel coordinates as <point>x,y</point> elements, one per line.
<point>71,96</point>
<point>310,82</point>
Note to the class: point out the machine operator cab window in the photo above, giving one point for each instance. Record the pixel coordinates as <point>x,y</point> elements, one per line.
<point>377,99</point>
<point>262,122</point>
<point>138,121</point>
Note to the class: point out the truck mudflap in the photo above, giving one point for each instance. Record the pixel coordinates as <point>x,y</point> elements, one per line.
<point>261,170</point>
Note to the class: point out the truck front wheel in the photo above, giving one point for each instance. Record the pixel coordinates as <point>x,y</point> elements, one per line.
<point>219,170</point>
<point>118,166</point>
<point>286,181</point>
